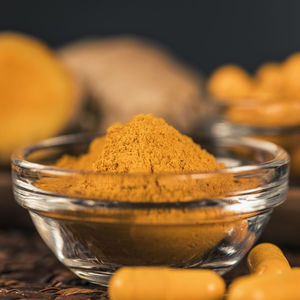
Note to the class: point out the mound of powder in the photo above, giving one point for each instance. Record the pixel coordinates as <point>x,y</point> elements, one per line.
<point>146,160</point>
<point>149,145</point>
<point>132,163</point>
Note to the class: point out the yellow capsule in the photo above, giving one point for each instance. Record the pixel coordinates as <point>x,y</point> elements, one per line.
<point>291,75</point>
<point>269,77</point>
<point>159,283</point>
<point>285,286</point>
<point>267,258</point>
<point>230,82</point>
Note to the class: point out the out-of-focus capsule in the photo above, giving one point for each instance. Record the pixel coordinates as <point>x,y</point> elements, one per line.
<point>230,82</point>
<point>269,77</point>
<point>285,286</point>
<point>267,258</point>
<point>291,75</point>
<point>159,283</point>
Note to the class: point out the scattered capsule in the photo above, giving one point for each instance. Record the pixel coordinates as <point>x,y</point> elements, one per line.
<point>230,82</point>
<point>269,77</point>
<point>159,283</point>
<point>285,286</point>
<point>267,258</point>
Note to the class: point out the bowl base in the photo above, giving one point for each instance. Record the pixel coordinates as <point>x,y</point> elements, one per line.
<point>102,278</point>
<point>76,254</point>
<point>97,277</point>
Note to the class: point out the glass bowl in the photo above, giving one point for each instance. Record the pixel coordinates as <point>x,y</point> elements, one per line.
<point>277,122</point>
<point>94,236</point>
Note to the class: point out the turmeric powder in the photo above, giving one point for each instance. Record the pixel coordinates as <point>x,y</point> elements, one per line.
<point>280,112</point>
<point>145,145</point>
<point>138,159</point>
<point>146,160</point>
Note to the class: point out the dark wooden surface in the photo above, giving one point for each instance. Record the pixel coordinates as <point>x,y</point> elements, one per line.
<point>28,269</point>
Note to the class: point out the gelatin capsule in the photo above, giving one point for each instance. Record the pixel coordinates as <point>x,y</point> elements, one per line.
<point>267,258</point>
<point>159,283</point>
<point>284,286</point>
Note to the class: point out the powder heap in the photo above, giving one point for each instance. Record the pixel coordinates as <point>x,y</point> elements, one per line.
<point>149,145</point>
<point>135,160</point>
<point>130,164</point>
<point>146,160</point>
<point>145,145</point>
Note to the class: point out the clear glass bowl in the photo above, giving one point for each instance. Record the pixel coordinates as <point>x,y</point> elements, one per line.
<point>278,123</point>
<point>94,236</point>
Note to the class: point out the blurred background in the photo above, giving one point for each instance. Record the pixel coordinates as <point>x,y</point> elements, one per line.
<point>116,79</point>
<point>202,33</point>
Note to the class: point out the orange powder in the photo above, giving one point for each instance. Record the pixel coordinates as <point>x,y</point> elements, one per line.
<point>144,145</point>
<point>132,163</point>
<point>146,160</point>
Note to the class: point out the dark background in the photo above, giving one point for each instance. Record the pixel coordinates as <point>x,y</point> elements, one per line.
<point>203,33</point>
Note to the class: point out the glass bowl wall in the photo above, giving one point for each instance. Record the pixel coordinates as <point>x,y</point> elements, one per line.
<point>94,236</point>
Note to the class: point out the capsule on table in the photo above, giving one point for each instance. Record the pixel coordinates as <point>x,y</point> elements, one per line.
<point>267,258</point>
<point>285,286</point>
<point>159,283</point>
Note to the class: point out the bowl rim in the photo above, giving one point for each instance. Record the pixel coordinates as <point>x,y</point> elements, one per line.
<point>243,201</point>
<point>18,159</point>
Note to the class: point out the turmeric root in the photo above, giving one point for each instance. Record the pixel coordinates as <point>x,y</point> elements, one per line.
<point>126,76</point>
<point>37,94</point>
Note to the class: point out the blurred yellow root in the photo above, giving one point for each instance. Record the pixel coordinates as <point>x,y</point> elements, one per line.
<point>36,93</point>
